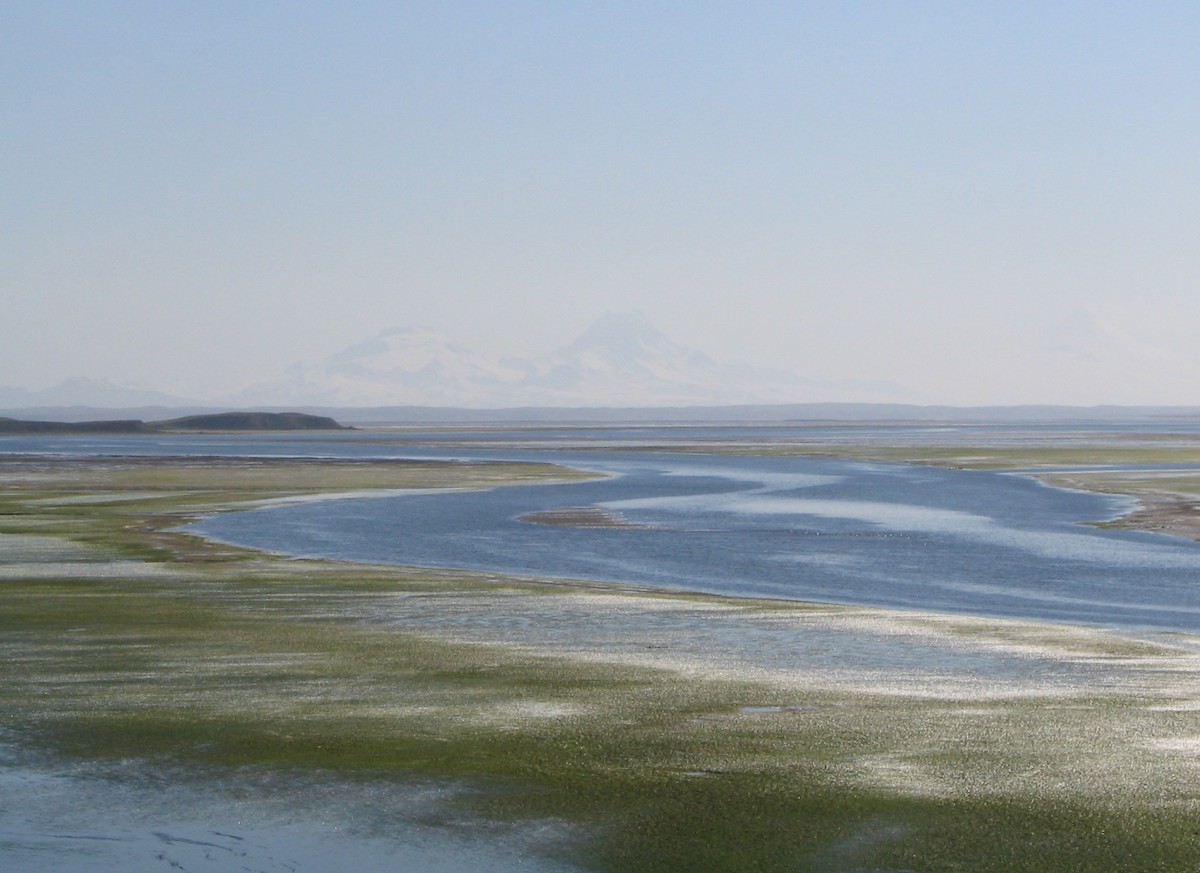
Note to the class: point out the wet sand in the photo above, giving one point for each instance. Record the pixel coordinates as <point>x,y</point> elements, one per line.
<point>582,516</point>
<point>168,702</point>
<point>1168,501</point>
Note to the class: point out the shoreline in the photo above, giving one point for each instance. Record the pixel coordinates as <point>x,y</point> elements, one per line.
<point>789,732</point>
<point>1174,514</point>
<point>1158,510</point>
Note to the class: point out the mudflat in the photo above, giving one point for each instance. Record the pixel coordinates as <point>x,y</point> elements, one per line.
<point>582,725</point>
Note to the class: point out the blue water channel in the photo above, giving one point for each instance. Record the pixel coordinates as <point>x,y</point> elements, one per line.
<point>804,528</point>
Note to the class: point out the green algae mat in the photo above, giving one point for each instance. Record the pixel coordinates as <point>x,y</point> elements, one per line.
<point>668,732</point>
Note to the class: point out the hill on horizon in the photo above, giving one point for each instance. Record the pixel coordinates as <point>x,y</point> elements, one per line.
<point>220,422</point>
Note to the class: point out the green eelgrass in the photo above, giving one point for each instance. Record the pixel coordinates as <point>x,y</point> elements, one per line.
<point>217,657</point>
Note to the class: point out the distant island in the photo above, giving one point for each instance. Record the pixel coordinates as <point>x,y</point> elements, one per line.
<point>219,422</point>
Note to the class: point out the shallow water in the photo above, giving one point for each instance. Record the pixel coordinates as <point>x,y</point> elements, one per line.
<point>825,646</point>
<point>827,530</point>
<point>89,818</point>
<point>804,528</point>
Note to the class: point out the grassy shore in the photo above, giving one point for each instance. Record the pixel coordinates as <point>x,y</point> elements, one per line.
<point>668,732</point>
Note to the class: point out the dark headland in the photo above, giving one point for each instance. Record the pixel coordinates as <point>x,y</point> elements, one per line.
<point>221,422</point>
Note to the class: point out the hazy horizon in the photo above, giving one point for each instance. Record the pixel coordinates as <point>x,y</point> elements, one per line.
<point>982,204</point>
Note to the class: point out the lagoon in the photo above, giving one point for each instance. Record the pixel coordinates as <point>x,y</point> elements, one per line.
<point>820,529</point>
<point>897,717</point>
<point>813,529</point>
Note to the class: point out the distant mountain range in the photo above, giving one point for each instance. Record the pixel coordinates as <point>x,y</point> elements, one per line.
<point>81,391</point>
<point>621,360</point>
<point>620,369</point>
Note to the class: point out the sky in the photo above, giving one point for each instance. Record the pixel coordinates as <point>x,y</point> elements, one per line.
<point>981,202</point>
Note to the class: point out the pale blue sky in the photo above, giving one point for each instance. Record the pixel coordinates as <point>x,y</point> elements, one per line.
<point>984,202</point>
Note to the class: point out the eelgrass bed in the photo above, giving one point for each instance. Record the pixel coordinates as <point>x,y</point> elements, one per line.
<point>664,732</point>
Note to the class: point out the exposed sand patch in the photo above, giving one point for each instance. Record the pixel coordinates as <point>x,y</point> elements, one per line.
<point>89,570</point>
<point>583,516</point>
<point>30,556</point>
<point>1180,706</point>
<point>32,548</point>
<point>106,497</point>
<point>1167,501</point>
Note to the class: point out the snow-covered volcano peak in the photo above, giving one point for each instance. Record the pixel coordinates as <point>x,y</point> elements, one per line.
<point>619,328</point>
<point>632,356</point>
<point>624,337</point>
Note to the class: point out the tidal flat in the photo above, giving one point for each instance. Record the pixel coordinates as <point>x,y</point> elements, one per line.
<point>171,701</point>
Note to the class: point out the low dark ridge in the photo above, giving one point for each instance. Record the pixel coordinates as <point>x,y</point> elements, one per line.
<point>12,425</point>
<point>226,421</point>
<point>249,421</point>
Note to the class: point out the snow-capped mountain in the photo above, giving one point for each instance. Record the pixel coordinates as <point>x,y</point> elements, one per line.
<point>401,366</point>
<point>621,360</point>
<point>627,362</point>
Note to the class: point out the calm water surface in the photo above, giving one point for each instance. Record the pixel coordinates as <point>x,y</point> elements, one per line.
<point>798,528</point>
